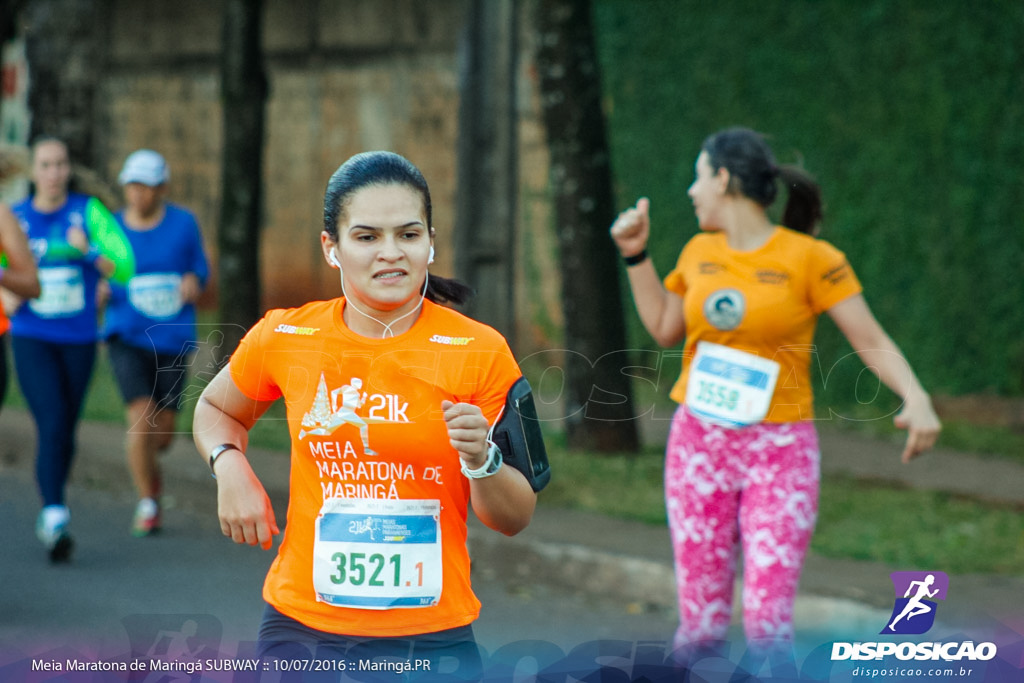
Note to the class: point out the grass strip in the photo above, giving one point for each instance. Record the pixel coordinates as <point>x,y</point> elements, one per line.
<point>857,519</point>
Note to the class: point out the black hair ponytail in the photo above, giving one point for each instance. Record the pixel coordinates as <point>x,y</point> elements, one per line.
<point>443,290</point>
<point>803,211</point>
<point>753,173</point>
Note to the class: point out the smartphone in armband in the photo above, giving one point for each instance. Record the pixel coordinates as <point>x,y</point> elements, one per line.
<point>517,433</point>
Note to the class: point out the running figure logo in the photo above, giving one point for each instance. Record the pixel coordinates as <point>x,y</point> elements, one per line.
<point>914,612</point>
<point>327,415</point>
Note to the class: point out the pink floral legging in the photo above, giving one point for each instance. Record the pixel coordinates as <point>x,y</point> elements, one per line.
<point>757,485</point>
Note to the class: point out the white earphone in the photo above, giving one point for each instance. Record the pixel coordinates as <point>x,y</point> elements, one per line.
<point>431,258</point>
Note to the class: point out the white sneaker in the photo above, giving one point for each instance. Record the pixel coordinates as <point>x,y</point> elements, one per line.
<point>147,518</point>
<point>52,530</point>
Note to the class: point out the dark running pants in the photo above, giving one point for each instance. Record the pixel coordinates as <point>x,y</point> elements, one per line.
<point>53,377</point>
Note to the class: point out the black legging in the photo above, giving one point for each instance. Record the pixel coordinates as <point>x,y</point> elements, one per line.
<point>53,377</point>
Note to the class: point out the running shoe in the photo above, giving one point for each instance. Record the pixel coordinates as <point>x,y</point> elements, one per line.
<point>55,537</point>
<point>147,518</point>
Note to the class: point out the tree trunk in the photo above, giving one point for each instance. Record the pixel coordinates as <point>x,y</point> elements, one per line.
<point>487,163</point>
<point>244,91</point>
<point>599,404</point>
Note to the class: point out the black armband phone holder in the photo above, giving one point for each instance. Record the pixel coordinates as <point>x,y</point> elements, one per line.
<point>517,433</point>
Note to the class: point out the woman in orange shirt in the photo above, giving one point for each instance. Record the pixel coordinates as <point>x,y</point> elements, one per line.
<point>389,399</point>
<point>19,279</point>
<point>742,456</point>
<point>18,276</point>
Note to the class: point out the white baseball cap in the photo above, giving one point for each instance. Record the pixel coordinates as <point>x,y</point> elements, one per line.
<point>144,166</point>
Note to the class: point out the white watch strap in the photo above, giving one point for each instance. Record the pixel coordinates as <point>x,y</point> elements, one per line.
<point>490,466</point>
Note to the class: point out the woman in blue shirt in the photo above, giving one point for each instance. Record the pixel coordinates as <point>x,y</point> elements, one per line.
<point>76,242</point>
<point>150,323</point>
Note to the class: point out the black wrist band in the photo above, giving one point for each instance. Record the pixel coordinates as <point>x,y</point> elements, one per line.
<point>218,451</point>
<point>635,258</point>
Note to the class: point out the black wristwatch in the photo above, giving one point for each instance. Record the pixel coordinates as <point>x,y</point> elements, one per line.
<point>218,451</point>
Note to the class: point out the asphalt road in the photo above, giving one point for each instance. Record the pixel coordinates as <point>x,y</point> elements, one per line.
<point>569,582</point>
<point>122,595</point>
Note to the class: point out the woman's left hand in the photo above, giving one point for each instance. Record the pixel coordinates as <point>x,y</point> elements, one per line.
<point>77,238</point>
<point>467,431</point>
<point>922,425</point>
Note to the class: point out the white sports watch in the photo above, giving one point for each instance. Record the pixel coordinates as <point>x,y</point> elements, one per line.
<point>491,465</point>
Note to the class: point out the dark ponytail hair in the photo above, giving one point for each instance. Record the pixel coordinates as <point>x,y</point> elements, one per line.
<point>386,168</point>
<point>753,173</point>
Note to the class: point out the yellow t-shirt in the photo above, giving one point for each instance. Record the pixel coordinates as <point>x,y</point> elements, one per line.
<point>344,392</point>
<point>765,302</point>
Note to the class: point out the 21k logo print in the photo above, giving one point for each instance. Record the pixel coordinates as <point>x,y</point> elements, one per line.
<point>914,610</point>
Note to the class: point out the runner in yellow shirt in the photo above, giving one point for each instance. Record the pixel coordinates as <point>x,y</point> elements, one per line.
<point>742,456</point>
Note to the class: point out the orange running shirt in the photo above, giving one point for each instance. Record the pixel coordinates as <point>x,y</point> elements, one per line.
<point>344,392</point>
<point>765,302</point>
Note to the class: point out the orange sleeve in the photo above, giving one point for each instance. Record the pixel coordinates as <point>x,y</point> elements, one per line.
<point>249,368</point>
<point>675,281</point>
<point>483,377</point>
<point>831,279</point>
<point>500,376</point>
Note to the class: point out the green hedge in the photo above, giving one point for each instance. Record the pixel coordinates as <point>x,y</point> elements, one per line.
<point>910,114</point>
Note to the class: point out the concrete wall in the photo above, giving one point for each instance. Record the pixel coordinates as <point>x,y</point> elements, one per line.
<point>344,77</point>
